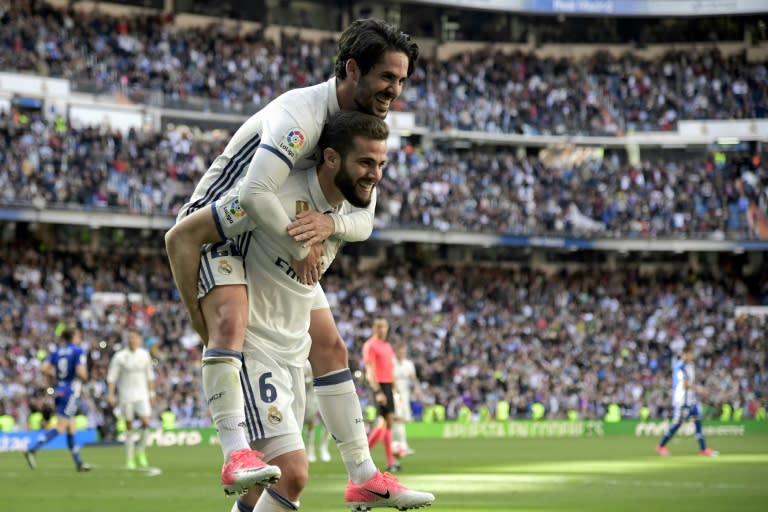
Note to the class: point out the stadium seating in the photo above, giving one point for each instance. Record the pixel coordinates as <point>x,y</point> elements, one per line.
<point>573,342</point>
<point>579,341</point>
<point>479,190</point>
<point>145,55</point>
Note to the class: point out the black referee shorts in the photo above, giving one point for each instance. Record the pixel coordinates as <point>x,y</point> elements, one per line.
<point>389,407</point>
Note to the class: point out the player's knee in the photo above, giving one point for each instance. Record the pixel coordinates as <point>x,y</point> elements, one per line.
<point>226,317</point>
<point>328,353</point>
<point>295,481</point>
<point>339,352</point>
<point>295,474</point>
<point>226,337</point>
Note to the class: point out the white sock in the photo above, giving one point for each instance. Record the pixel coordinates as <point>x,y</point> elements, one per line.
<point>324,440</point>
<point>240,506</point>
<point>141,446</point>
<point>129,444</point>
<point>310,443</point>
<point>221,384</point>
<point>272,501</point>
<point>343,418</point>
<point>398,434</point>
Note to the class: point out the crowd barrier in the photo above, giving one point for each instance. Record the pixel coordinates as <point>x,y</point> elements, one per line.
<point>20,441</point>
<point>579,428</point>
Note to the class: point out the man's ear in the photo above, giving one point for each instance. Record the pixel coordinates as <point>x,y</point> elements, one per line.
<point>353,70</point>
<point>332,158</point>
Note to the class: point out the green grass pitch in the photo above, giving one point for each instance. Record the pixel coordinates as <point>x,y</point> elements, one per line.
<point>586,474</point>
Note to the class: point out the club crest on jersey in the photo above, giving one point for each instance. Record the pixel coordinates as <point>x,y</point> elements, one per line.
<point>274,415</point>
<point>292,142</point>
<point>225,268</point>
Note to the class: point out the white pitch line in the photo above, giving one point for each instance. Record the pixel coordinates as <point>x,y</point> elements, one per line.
<point>687,485</point>
<point>482,483</point>
<point>150,471</point>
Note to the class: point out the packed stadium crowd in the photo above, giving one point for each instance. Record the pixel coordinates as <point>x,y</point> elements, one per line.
<point>487,90</point>
<point>498,191</point>
<point>51,164</point>
<point>520,93</point>
<point>576,341</point>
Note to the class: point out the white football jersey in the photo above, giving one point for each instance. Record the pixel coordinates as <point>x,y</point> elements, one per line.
<point>683,378</point>
<point>289,126</point>
<point>405,374</point>
<point>279,303</point>
<point>131,372</point>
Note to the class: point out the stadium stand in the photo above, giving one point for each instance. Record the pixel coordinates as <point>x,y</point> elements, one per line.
<point>573,340</point>
<point>488,90</point>
<point>53,165</point>
<point>568,329</point>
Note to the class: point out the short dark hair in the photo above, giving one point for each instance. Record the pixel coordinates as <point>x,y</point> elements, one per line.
<point>68,334</point>
<point>367,41</point>
<point>343,126</point>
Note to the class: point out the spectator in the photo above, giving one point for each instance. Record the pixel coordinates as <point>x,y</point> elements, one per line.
<point>574,341</point>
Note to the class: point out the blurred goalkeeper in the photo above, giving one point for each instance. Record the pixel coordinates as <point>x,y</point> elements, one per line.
<point>685,404</point>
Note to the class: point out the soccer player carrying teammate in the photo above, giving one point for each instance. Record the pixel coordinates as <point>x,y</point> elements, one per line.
<point>405,382</point>
<point>685,404</point>
<point>379,359</point>
<point>280,301</point>
<point>312,420</point>
<point>373,61</point>
<point>68,367</point>
<point>130,372</point>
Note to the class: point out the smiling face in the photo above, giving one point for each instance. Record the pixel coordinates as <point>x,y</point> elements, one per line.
<point>375,91</point>
<point>361,170</point>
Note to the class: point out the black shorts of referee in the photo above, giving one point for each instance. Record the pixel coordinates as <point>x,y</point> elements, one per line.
<point>389,407</point>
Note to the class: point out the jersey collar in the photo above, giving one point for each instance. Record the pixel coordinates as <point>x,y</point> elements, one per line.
<point>333,100</point>
<point>316,193</point>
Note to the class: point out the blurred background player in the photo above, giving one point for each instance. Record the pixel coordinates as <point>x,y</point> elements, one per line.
<point>67,366</point>
<point>379,359</point>
<point>685,404</point>
<point>130,373</point>
<point>312,420</point>
<point>406,382</point>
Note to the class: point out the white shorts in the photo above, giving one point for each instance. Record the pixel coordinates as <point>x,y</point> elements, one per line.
<point>274,403</point>
<point>683,412</point>
<point>220,264</point>
<point>403,406</point>
<point>135,409</point>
